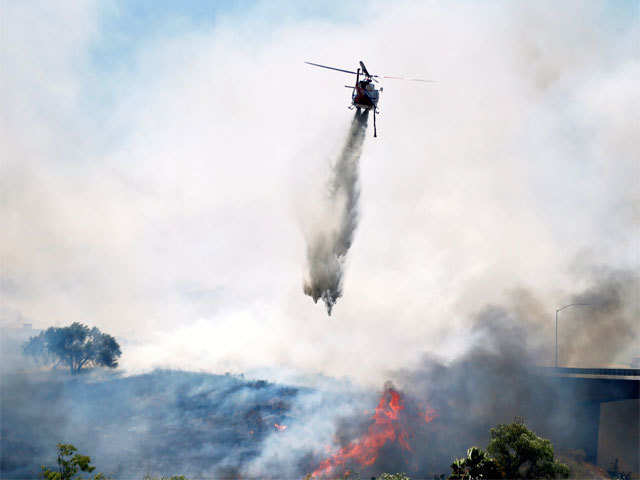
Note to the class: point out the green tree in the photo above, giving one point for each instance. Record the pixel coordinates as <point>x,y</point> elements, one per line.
<point>476,465</point>
<point>514,451</point>
<point>520,453</point>
<point>174,477</point>
<point>76,346</point>
<point>69,464</point>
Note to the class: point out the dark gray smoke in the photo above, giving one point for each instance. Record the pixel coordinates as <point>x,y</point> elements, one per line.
<point>596,333</point>
<point>494,382</point>
<point>329,243</point>
<point>499,379</point>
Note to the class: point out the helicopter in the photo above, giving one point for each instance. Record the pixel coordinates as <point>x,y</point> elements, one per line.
<point>365,95</point>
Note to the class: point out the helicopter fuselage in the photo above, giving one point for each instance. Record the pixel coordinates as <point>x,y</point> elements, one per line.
<point>365,95</point>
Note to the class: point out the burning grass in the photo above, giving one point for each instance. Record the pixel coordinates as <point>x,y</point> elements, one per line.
<point>390,424</point>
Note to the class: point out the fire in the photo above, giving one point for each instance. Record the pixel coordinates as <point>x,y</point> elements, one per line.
<point>429,415</point>
<point>386,427</point>
<point>280,428</point>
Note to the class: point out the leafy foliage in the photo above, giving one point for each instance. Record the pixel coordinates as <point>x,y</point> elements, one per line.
<point>76,346</point>
<point>522,454</point>
<point>514,451</point>
<point>174,477</point>
<point>69,464</point>
<point>476,465</point>
<point>393,476</point>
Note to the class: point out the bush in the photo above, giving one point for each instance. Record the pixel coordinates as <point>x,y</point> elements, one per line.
<point>514,451</point>
<point>69,464</point>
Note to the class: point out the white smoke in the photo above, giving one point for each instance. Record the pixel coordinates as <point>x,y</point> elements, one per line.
<point>154,199</point>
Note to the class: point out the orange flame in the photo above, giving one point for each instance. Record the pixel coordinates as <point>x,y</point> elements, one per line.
<point>429,415</point>
<point>280,428</point>
<point>385,428</point>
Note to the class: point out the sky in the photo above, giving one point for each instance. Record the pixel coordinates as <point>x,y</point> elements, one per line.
<point>162,163</point>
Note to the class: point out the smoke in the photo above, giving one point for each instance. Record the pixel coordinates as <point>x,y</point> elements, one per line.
<point>330,240</point>
<point>606,325</point>
<point>521,157</point>
<point>447,406</point>
<point>171,422</point>
<point>105,189</point>
<point>167,422</point>
<point>498,378</point>
<point>162,423</point>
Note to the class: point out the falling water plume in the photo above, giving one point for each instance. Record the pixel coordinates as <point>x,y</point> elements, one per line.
<point>328,244</point>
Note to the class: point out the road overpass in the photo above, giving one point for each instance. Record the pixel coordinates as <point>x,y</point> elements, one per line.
<point>604,406</point>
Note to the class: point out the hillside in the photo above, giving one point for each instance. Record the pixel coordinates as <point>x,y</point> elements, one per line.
<point>161,422</point>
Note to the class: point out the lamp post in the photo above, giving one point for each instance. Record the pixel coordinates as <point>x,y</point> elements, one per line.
<point>559,310</point>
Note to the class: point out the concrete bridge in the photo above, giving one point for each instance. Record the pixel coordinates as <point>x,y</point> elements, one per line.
<point>605,403</point>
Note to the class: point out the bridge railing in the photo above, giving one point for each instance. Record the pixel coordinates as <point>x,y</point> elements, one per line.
<point>617,372</point>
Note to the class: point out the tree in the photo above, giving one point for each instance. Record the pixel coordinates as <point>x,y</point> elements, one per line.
<point>76,346</point>
<point>514,451</point>
<point>174,477</point>
<point>69,464</point>
<point>522,454</point>
<point>476,465</point>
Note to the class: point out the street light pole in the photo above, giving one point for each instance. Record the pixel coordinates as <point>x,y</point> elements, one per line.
<point>559,310</point>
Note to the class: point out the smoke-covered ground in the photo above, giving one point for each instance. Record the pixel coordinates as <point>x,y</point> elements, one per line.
<point>331,236</point>
<point>225,426</point>
<point>165,422</point>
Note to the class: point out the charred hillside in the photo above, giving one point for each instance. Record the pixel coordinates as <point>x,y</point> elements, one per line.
<point>168,422</point>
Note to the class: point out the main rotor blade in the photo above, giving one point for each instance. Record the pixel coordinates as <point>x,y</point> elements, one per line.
<point>410,79</point>
<point>364,69</point>
<point>330,68</point>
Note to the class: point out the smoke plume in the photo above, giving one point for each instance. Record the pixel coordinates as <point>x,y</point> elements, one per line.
<point>433,411</point>
<point>606,325</point>
<point>451,405</point>
<point>330,241</point>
